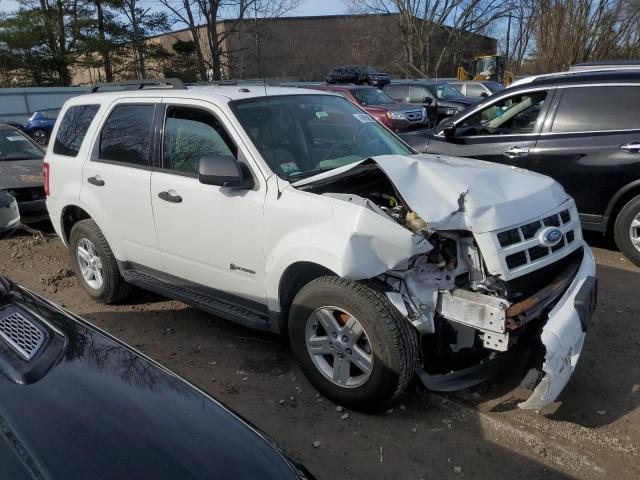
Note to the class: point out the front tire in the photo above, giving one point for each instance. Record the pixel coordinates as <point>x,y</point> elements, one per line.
<point>627,230</point>
<point>94,263</point>
<point>351,343</point>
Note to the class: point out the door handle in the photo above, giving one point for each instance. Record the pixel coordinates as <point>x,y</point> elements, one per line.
<point>514,152</point>
<point>633,147</point>
<point>170,197</point>
<point>96,180</point>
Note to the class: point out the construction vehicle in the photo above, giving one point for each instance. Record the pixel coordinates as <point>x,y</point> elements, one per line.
<point>487,67</point>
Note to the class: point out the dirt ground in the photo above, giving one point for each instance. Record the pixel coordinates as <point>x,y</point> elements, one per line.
<point>592,432</point>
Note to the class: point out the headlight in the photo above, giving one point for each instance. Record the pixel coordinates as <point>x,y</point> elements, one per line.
<point>397,115</point>
<point>424,112</point>
<point>451,111</point>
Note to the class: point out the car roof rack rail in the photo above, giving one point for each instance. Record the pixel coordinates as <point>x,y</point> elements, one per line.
<point>168,83</point>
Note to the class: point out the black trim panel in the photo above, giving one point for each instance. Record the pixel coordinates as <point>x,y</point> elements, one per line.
<point>226,305</point>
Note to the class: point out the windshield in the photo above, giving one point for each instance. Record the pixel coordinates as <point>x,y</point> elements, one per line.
<point>15,146</point>
<point>301,135</point>
<point>371,96</point>
<point>444,91</point>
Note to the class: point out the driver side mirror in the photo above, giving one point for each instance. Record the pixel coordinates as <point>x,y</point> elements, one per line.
<point>484,94</point>
<point>224,171</point>
<point>427,100</point>
<point>449,131</point>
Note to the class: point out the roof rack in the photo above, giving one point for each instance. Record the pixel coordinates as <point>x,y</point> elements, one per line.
<point>173,83</point>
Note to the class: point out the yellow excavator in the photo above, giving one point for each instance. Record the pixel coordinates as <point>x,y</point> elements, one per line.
<point>487,67</point>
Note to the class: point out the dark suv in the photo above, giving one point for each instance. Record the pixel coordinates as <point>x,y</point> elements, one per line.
<point>583,129</point>
<point>358,74</point>
<point>439,98</point>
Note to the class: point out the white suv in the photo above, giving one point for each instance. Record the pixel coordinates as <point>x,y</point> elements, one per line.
<point>293,211</point>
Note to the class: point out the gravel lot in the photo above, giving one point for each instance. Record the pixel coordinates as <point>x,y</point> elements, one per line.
<point>592,432</point>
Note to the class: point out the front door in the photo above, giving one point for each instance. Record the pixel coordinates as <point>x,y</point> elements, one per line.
<point>208,235</point>
<point>504,131</point>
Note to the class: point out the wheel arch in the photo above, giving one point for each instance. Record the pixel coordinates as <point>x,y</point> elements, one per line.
<point>619,200</point>
<point>294,277</point>
<point>71,214</point>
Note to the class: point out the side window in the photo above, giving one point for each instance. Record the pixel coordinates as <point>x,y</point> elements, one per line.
<point>126,136</point>
<point>512,115</point>
<point>474,90</point>
<point>418,94</point>
<point>189,134</point>
<point>397,92</point>
<point>73,128</point>
<point>586,109</point>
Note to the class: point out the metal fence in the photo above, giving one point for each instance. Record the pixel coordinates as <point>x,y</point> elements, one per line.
<point>17,104</point>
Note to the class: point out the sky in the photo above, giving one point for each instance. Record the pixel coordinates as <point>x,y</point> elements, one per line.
<point>307,7</point>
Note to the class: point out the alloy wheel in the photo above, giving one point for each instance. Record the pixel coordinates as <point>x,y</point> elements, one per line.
<point>90,264</point>
<point>634,232</point>
<point>339,346</point>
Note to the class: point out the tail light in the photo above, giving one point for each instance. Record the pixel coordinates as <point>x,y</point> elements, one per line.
<point>45,173</point>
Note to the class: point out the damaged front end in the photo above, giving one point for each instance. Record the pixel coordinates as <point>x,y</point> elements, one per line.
<point>484,287</point>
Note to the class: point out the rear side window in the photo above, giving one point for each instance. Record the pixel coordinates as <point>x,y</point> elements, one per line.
<point>397,92</point>
<point>73,128</point>
<point>585,109</point>
<point>126,137</point>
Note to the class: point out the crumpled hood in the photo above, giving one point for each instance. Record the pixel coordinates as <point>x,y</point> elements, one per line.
<point>453,193</point>
<point>21,174</point>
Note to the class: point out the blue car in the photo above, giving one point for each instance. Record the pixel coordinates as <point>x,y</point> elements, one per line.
<point>41,123</point>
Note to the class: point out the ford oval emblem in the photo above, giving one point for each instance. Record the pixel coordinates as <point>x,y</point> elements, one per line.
<point>550,237</point>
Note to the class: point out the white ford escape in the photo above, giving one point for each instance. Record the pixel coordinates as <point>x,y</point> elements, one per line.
<point>293,211</point>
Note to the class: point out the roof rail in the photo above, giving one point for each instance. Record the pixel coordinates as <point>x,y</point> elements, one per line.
<point>173,83</point>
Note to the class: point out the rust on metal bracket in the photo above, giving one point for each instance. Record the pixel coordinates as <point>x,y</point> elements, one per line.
<point>539,300</point>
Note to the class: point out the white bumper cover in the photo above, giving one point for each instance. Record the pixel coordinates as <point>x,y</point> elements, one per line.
<point>563,337</point>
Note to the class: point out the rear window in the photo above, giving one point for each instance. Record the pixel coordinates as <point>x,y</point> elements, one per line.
<point>16,146</point>
<point>584,109</point>
<point>126,136</point>
<point>73,128</point>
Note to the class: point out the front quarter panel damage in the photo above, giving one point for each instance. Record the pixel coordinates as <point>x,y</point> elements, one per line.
<point>563,338</point>
<point>351,240</point>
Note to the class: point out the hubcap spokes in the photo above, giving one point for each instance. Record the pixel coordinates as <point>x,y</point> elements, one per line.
<point>634,232</point>
<point>339,347</point>
<point>89,263</point>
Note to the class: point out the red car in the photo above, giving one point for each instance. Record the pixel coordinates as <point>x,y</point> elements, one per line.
<point>397,117</point>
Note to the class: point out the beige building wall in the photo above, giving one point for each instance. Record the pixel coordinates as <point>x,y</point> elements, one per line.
<point>305,48</point>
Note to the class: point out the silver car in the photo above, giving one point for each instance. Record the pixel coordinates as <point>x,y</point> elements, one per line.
<point>21,161</point>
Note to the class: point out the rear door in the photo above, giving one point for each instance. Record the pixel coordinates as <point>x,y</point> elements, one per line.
<point>504,130</point>
<point>588,144</point>
<point>116,181</point>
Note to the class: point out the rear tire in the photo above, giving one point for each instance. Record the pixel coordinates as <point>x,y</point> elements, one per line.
<point>627,230</point>
<point>90,252</point>
<point>387,340</point>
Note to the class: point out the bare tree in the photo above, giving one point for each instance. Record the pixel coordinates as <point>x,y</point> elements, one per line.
<point>573,31</point>
<point>435,30</point>
<point>183,10</point>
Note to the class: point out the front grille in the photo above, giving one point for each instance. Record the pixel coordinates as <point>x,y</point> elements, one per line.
<point>538,252</point>
<point>415,116</point>
<point>22,335</point>
<point>516,260</point>
<point>521,245</point>
<point>509,237</point>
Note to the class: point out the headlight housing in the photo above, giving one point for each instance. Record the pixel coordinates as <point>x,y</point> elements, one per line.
<point>450,111</point>
<point>397,115</point>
